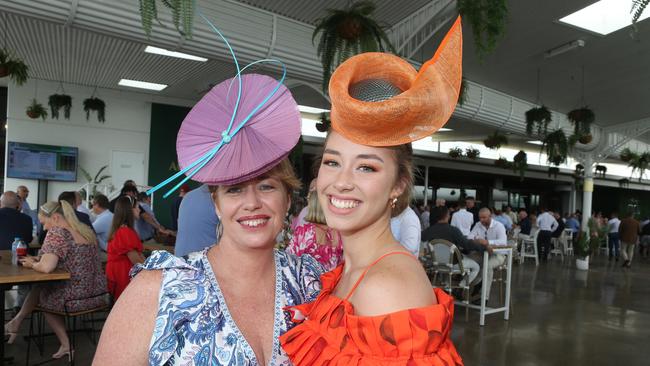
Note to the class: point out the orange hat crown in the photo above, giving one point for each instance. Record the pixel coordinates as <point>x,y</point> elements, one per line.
<point>425,104</point>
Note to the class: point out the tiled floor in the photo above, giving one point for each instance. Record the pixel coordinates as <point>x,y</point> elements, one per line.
<point>560,317</point>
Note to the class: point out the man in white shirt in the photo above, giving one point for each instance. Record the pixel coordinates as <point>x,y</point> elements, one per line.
<point>547,225</point>
<point>103,220</point>
<point>425,217</point>
<point>463,220</point>
<point>407,230</point>
<point>495,234</point>
<point>81,206</point>
<point>614,241</point>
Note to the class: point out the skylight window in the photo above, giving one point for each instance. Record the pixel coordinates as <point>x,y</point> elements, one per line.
<point>142,84</point>
<point>604,16</point>
<point>164,52</point>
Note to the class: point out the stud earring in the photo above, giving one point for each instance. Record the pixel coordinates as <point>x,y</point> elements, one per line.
<point>393,203</point>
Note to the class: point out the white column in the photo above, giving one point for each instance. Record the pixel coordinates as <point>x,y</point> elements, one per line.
<point>587,192</point>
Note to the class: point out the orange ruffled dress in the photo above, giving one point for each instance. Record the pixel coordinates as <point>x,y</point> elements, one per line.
<point>331,334</point>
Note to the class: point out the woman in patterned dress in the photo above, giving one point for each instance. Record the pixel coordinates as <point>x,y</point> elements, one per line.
<point>315,238</point>
<point>70,246</point>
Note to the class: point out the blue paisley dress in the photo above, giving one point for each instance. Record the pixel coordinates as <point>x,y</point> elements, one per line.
<point>193,324</point>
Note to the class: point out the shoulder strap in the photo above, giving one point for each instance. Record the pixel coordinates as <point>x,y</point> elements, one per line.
<point>356,284</point>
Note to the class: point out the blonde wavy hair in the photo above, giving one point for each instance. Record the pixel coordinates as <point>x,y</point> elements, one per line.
<point>64,209</point>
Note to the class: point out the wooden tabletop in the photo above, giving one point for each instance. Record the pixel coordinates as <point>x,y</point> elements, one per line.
<point>14,275</point>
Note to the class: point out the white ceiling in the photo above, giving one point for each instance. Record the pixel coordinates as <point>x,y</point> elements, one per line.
<point>95,43</point>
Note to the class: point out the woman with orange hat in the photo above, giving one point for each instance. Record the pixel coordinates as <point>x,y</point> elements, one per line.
<point>378,307</point>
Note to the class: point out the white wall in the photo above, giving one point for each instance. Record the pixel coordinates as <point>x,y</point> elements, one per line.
<point>127,127</point>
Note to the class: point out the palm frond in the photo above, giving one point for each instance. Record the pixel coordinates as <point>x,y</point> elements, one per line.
<point>638,6</point>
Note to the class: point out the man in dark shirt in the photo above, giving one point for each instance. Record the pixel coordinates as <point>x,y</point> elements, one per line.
<point>71,198</point>
<point>560,225</point>
<point>13,223</point>
<point>442,230</point>
<point>524,222</point>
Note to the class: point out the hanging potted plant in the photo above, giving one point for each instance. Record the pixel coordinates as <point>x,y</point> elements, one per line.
<point>488,19</point>
<point>348,32</point>
<point>36,110</point>
<point>455,152</point>
<point>182,15</point>
<point>97,105</point>
<point>602,170</point>
<point>554,171</point>
<point>520,164</point>
<point>495,140</point>
<point>13,67</point>
<point>472,153</point>
<point>503,163</point>
<point>624,183</point>
<point>582,118</point>
<point>539,118</point>
<point>640,163</point>
<point>325,123</point>
<point>556,146</point>
<point>58,101</point>
<point>627,155</point>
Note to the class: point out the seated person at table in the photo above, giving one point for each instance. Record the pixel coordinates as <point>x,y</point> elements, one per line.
<point>560,225</point>
<point>72,247</point>
<point>124,246</point>
<point>71,198</point>
<point>443,230</point>
<point>524,223</point>
<point>494,232</point>
<point>13,223</point>
<point>146,216</point>
<point>103,219</point>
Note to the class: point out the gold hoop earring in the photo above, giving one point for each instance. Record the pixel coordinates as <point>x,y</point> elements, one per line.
<point>393,203</point>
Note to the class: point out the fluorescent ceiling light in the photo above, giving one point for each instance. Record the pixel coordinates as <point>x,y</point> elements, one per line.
<point>535,142</point>
<point>564,48</point>
<point>604,16</point>
<point>142,84</point>
<point>444,129</point>
<point>306,109</point>
<point>164,52</point>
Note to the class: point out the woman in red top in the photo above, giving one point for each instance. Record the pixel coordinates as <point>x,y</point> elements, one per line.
<point>124,246</point>
<point>378,307</point>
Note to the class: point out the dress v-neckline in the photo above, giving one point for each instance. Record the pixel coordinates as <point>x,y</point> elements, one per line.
<point>277,310</point>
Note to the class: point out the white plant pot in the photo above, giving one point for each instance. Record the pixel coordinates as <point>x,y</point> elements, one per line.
<point>582,264</point>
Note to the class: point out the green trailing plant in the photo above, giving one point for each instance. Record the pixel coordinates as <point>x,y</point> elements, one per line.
<point>97,105</point>
<point>638,6</point>
<point>553,171</point>
<point>472,153</point>
<point>13,67</point>
<point>495,140</point>
<point>58,101</point>
<point>582,118</point>
<point>639,163</point>
<point>347,32</point>
<point>36,110</point>
<point>455,152</point>
<point>624,183</point>
<point>93,181</point>
<point>581,248</point>
<point>538,118</point>
<point>488,19</point>
<point>503,163</point>
<point>626,155</point>
<point>556,146</point>
<point>580,169</point>
<point>520,164</point>
<point>325,123</point>
<point>182,15</point>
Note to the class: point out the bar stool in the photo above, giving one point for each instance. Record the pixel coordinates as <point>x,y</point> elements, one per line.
<point>529,249</point>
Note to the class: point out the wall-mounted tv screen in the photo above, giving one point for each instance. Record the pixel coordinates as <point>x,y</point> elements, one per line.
<point>47,162</point>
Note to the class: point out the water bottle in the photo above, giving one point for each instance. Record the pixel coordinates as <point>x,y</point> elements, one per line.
<point>14,251</point>
<point>21,250</point>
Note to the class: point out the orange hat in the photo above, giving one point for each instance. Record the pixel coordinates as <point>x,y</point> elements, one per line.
<point>421,103</point>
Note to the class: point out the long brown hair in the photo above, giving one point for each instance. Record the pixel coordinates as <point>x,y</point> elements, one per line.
<point>123,215</point>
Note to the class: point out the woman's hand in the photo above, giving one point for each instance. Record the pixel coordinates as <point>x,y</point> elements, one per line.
<point>28,261</point>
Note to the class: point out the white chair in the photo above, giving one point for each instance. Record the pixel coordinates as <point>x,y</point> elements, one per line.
<point>559,245</point>
<point>568,249</point>
<point>529,249</point>
<point>448,260</point>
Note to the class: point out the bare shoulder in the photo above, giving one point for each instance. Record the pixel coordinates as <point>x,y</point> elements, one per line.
<point>397,282</point>
<point>127,332</point>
